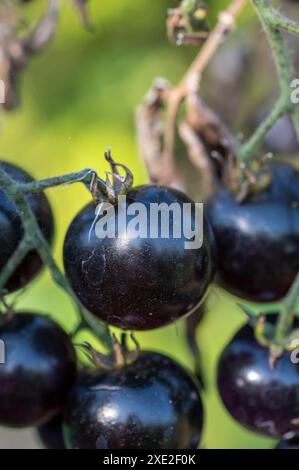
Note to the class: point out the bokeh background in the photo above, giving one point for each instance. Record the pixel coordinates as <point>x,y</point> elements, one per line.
<point>77,98</point>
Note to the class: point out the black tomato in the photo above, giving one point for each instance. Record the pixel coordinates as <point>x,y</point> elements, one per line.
<point>289,443</point>
<point>39,370</point>
<point>151,404</point>
<point>263,399</point>
<point>51,435</point>
<point>12,230</point>
<point>138,283</point>
<point>258,240</point>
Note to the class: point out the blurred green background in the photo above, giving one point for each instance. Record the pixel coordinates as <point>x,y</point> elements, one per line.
<point>78,98</point>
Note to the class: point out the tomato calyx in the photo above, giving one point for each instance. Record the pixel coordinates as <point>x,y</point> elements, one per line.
<point>119,358</point>
<point>114,185</point>
<point>245,181</point>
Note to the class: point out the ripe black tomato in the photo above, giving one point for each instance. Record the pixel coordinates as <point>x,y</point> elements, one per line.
<point>138,283</point>
<point>289,443</point>
<point>51,435</point>
<point>12,230</point>
<point>258,240</point>
<point>262,399</point>
<point>39,370</point>
<point>151,404</point>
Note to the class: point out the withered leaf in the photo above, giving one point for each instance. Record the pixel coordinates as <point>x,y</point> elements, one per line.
<point>16,49</point>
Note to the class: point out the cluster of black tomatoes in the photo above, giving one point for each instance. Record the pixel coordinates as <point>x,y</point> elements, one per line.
<point>148,400</point>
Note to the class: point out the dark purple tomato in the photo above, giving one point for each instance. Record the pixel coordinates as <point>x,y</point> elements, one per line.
<point>289,443</point>
<point>138,283</point>
<point>51,435</point>
<point>258,240</point>
<point>151,404</point>
<point>282,138</point>
<point>12,230</point>
<point>39,370</point>
<point>264,400</point>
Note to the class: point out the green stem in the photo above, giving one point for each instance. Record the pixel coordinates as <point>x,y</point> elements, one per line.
<point>85,177</point>
<point>14,261</point>
<point>272,21</point>
<point>34,239</point>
